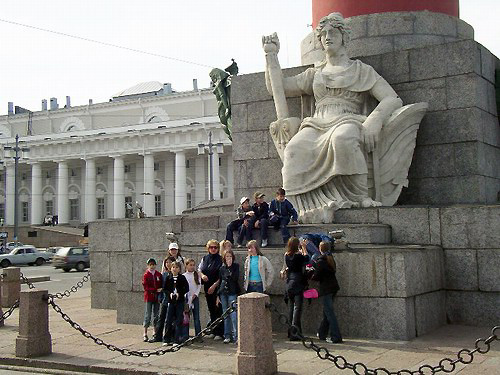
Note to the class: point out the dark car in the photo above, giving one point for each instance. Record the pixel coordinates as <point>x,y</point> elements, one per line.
<point>72,257</point>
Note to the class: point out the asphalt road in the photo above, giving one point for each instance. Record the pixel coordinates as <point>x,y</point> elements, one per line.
<point>59,280</point>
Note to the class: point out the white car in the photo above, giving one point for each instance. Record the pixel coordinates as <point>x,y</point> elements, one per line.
<point>12,245</point>
<point>26,254</point>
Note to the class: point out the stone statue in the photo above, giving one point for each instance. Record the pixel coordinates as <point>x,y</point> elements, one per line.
<point>356,149</point>
<point>221,81</point>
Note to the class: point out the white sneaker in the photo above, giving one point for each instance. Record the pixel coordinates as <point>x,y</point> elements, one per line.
<point>217,338</point>
<point>264,243</point>
<point>227,341</point>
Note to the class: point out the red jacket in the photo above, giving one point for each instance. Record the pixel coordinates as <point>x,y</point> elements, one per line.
<point>151,284</point>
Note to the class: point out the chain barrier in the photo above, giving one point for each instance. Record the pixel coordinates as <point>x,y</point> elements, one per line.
<point>9,312</point>
<point>446,365</point>
<point>142,353</point>
<point>74,288</point>
<point>26,280</point>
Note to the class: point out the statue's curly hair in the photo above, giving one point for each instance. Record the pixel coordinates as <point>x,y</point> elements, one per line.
<point>335,20</point>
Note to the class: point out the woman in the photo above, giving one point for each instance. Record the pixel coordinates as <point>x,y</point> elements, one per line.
<point>259,272</point>
<point>295,260</point>
<point>174,251</point>
<point>324,166</point>
<point>324,272</point>
<point>229,289</point>
<point>209,271</point>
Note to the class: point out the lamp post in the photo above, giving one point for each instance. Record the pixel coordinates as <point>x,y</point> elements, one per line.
<point>16,152</point>
<point>201,151</point>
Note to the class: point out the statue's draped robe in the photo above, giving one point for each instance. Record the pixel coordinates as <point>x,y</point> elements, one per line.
<point>324,163</point>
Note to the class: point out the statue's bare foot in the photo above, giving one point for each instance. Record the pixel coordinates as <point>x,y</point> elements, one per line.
<point>368,202</point>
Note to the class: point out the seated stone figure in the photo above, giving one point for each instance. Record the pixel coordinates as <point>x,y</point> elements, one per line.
<point>356,149</point>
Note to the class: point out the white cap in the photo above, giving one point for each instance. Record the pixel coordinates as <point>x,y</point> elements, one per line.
<point>242,200</point>
<point>173,245</point>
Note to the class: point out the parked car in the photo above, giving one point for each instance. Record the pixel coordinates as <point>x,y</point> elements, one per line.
<point>12,245</point>
<point>51,251</point>
<point>72,257</point>
<point>26,254</point>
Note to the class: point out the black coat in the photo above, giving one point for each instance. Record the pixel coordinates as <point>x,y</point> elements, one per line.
<point>229,277</point>
<point>296,280</point>
<point>323,273</point>
<point>182,287</point>
<point>261,211</point>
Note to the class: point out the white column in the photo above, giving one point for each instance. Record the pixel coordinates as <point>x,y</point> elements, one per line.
<point>149,185</point>
<point>118,188</point>
<point>216,175</point>
<point>230,177</point>
<point>90,199</point>
<point>180,182</point>
<point>10,194</point>
<point>199,180</point>
<point>169,187</point>
<point>36,194</point>
<point>62,193</point>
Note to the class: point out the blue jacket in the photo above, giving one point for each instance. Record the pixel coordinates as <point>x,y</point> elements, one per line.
<point>283,209</point>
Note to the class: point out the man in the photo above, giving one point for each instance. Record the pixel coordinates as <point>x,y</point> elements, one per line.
<point>280,213</point>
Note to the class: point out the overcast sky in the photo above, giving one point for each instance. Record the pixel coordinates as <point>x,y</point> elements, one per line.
<point>35,64</point>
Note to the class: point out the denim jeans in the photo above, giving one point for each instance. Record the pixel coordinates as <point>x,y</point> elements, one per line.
<point>151,310</point>
<point>329,321</point>
<point>231,322</point>
<point>263,225</point>
<point>231,227</point>
<point>173,326</point>
<point>160,325</point>
<point>295,303</point>
<point>255,287</point>
<point>281,223</point>
<point>196,315</point>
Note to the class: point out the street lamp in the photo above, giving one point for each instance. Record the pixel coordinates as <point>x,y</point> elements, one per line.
<point>201,151</point>
<point>16,152</point>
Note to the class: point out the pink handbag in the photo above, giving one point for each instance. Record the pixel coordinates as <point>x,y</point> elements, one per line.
<point>310,293</point>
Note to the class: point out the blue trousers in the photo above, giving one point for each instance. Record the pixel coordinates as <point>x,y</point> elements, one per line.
<point>173,325</point>
<point>151,310</point>
<point>329,322</point>
<point>281,223</point>
<point>196,315</point>
<point>230,322</point>
<point>255,287</point>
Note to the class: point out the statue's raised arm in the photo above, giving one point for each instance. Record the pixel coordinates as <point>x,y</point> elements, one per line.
<point>344,155</point>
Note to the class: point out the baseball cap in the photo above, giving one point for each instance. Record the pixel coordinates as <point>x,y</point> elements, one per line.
<point>242,200</point>
<point>173,245</point>
<point>259,194</point>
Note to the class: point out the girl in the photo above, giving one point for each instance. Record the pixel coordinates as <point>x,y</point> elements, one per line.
<point>151,282</point>
<point>158,336</point>
<point>259,272</point>
<point>324,272</point>
<point>224,246</point>
<point>174,251</point>
<point>229,288</point>
<point>175,289</point>
<point>209,272</point>
<point>296,282</point>
<point>194,281</point>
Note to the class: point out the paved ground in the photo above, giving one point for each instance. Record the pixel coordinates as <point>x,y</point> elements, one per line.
<point>73,352</point>
<point>59,280</point>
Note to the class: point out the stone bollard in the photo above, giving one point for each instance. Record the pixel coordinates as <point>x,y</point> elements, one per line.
<point>34,337</point>
<point>255,355</point>
<point>11,286</point>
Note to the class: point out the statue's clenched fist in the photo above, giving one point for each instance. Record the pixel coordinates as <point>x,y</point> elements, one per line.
<point>271,43</point>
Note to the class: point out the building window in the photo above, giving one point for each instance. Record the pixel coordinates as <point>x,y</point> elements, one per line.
<point>127,168</point>
<point>47,175</point>
<point>49,207</point>
<point>73,173</point>
<point>156,166</point>
<point>100,208</point>
<point>99,170</point>
<point>189,203</point>
<point>221,195</point>
<point>187,163</point>
<point>157,205</point>
<point>220,162</point>
<point>26,210</point>
<point>23,176</point>
<point>73,209</point>
<point>2,211</point>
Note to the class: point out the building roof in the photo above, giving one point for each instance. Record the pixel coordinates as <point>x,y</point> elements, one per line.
<point>141,88</point>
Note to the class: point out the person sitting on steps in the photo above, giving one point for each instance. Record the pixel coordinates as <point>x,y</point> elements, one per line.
<point>280,213</point>
<point>260,219</point>
<point>244,213</point>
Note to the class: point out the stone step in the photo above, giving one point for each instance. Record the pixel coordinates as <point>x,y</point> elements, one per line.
<point>355,233</point>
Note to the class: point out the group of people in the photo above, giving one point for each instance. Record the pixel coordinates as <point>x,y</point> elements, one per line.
<point>260,216</point>
<point>172,296</point>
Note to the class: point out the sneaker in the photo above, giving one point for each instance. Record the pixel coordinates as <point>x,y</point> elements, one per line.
<point>154,339</point>
<point>264,243</point>
<point>218,338</point>
<point>167,344</point>
<point>332,341</point>
<point>145,338</point>
<point>227,340</point>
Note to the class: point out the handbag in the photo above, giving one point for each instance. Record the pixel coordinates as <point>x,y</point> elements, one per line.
<point>310,293</point>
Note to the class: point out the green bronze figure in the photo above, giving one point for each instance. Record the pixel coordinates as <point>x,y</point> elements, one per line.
<point>221,81</point>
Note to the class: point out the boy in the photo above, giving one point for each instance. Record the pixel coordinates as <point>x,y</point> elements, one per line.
<point>280,212</point>
<point>260,220</point>
<point>244,213</point>
<point>152,284</point>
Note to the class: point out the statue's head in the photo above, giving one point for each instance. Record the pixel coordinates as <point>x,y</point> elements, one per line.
<point>337,21</point>
<point>217,75</point>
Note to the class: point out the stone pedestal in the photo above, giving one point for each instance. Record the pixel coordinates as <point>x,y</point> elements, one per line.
<point>11,286</point>
<point>255,346</point>
<point>1,312</point>
<point>34,339</point>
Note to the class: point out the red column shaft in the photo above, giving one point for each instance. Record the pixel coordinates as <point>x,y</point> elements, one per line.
<point>349,8</point>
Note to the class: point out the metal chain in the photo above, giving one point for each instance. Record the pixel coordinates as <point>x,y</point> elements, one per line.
<point>142,353</point>
<point>9,312</point>
<point>447,365</point>
<point>26,280</point>
<point>74,288</point>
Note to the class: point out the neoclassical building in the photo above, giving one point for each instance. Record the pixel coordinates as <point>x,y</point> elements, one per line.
<point>94,161</point>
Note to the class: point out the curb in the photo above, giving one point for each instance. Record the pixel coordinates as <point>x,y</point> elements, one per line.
<point>69,367</point>
<point>36,279</point>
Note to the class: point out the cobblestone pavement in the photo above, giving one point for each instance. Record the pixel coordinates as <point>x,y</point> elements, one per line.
<point>73,352</point>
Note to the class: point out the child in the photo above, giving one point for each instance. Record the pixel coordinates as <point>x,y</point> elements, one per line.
<point>158,336</point>
<point>194,281</point>
<point>259,272</point>
<point>174,251</point>
<point>175,289</point>
<point>224,246</point>
<point>151,282</point>
<point>261,218</point>
<point>229,288</point>
<point>244,213</point>
<point>280,213</point>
